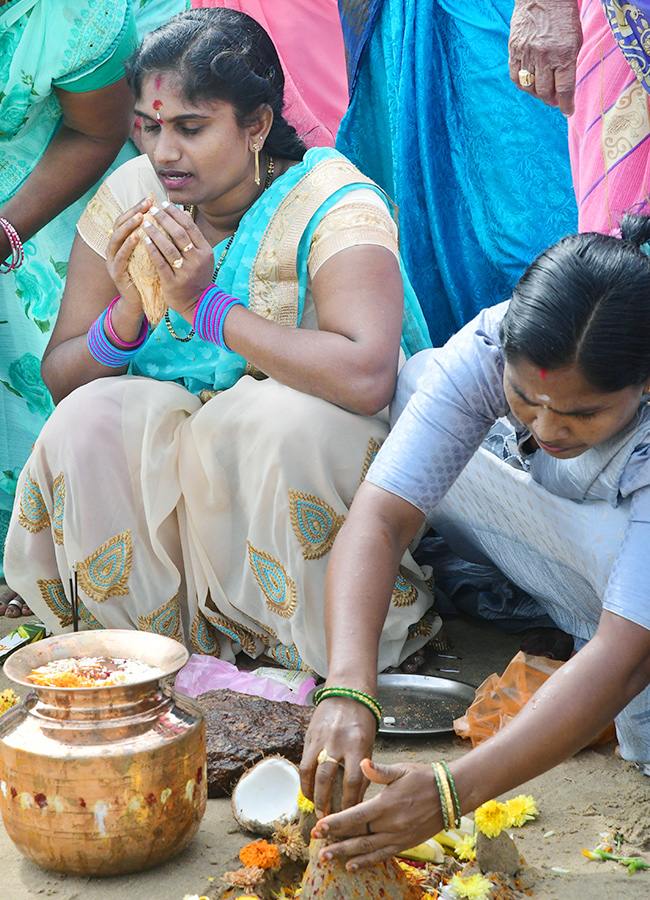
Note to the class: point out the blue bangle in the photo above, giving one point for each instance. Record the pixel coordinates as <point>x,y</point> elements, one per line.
<point>210,314</point>
<point>102,349</point>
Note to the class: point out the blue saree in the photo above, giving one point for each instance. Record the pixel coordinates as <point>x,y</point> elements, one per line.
<point>480,172</point>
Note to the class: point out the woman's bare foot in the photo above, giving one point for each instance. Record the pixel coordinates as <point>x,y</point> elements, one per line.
<point>550,642</point>
<point>410,665</point>
<point>12,606</point>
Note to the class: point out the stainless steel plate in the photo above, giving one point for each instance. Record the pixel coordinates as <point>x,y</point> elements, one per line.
<point>420,704</point>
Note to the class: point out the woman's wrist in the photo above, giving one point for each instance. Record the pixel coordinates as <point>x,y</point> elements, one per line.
<point>124,324</point>
<point>210,315</point>
<point>108,353</point>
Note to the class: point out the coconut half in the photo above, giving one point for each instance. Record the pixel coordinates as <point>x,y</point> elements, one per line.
<point>267,795</point>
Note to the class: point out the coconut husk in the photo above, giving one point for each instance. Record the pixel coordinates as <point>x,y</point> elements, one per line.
<point>144,274</point>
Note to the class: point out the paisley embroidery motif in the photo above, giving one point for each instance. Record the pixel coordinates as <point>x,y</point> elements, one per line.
<point>404,593</point>
<point>54,596</point>
<point>265,633</point>
<point>278,588</point>
<point>423,628</point>
<point>287,655</point>
<point>371,451</point>
<point>235,632</point>
<point>58,496</point>
<point>203,638</point>
<point>315,524</point>
<point>165,620</point>
<point>86,616</point>
<point>33,514</point>
<point>105,573</point>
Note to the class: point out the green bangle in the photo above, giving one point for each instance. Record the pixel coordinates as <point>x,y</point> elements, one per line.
<point>453,793</point>
<point>369,702</point>
<point>443,805</point>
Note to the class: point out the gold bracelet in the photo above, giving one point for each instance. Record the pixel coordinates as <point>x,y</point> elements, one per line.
<point>446,793</point>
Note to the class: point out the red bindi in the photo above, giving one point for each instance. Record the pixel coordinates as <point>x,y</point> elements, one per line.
<point>157,104</point>
<point>542,372</point>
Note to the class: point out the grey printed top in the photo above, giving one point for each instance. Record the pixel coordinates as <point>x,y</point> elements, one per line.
<point>456,401</point>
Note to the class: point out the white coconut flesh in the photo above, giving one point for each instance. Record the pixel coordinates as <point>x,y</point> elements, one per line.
<point>267,795</point>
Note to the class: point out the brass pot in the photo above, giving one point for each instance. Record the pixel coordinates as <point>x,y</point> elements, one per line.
<point>102,780</point>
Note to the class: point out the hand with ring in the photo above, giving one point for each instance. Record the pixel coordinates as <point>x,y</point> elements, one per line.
<point>324,757</point>
<point>341,733</point>
<point>406,813</point>
<point>183,258</point>
<point>545,38</point>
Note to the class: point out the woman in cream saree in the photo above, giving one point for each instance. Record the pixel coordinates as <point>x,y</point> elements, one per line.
<point>194,497</point>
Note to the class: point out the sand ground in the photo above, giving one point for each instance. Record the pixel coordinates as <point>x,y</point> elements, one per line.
<point>589,794</point>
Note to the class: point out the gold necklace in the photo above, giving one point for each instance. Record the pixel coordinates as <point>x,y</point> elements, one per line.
<point>270,169</point>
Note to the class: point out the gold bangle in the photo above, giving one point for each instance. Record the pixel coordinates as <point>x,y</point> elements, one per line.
<point>446,793</point>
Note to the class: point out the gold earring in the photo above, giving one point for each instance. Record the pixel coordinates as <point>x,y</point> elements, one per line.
<point>256,148</point>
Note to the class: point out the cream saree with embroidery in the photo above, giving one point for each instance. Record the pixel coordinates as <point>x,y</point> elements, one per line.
<point>208,522</point>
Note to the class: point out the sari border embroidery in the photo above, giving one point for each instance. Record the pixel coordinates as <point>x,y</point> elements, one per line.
<point>274,284</point>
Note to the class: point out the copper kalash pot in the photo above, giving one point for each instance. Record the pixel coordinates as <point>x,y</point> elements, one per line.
<point>102,780</point>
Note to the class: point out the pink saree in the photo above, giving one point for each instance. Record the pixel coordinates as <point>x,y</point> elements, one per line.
<point>610,130</point>
<point>308,37</point>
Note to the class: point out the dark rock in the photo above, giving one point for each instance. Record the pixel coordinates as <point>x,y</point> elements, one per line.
<point>241,730</point>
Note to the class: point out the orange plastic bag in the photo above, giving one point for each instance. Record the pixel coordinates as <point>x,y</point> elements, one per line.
<point>499,699</point>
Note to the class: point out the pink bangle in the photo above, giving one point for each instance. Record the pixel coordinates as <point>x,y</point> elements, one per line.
<point>111,331</point>
<point>17,251</point>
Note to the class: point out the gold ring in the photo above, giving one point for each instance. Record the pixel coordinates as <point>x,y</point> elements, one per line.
<point>324,757</point>
<point>526,78</point>
<point>187,249</point>
<point>110,232</point>
<point>177,264</point>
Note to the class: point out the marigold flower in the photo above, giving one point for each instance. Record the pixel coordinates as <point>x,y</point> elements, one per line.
<point>260,853</point>
<point>474,887</point>
<point>520,809</point>
<point>304,805</point>
<point>466,848</point>
<point>491,818</point>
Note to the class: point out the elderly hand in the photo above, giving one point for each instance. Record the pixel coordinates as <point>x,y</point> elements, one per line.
<point>406,813</point>
<point>545,37</point>
<point>345,729</point>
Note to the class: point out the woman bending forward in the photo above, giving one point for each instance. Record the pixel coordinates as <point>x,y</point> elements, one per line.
<point>196,497</point>
<point>567,361</point>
